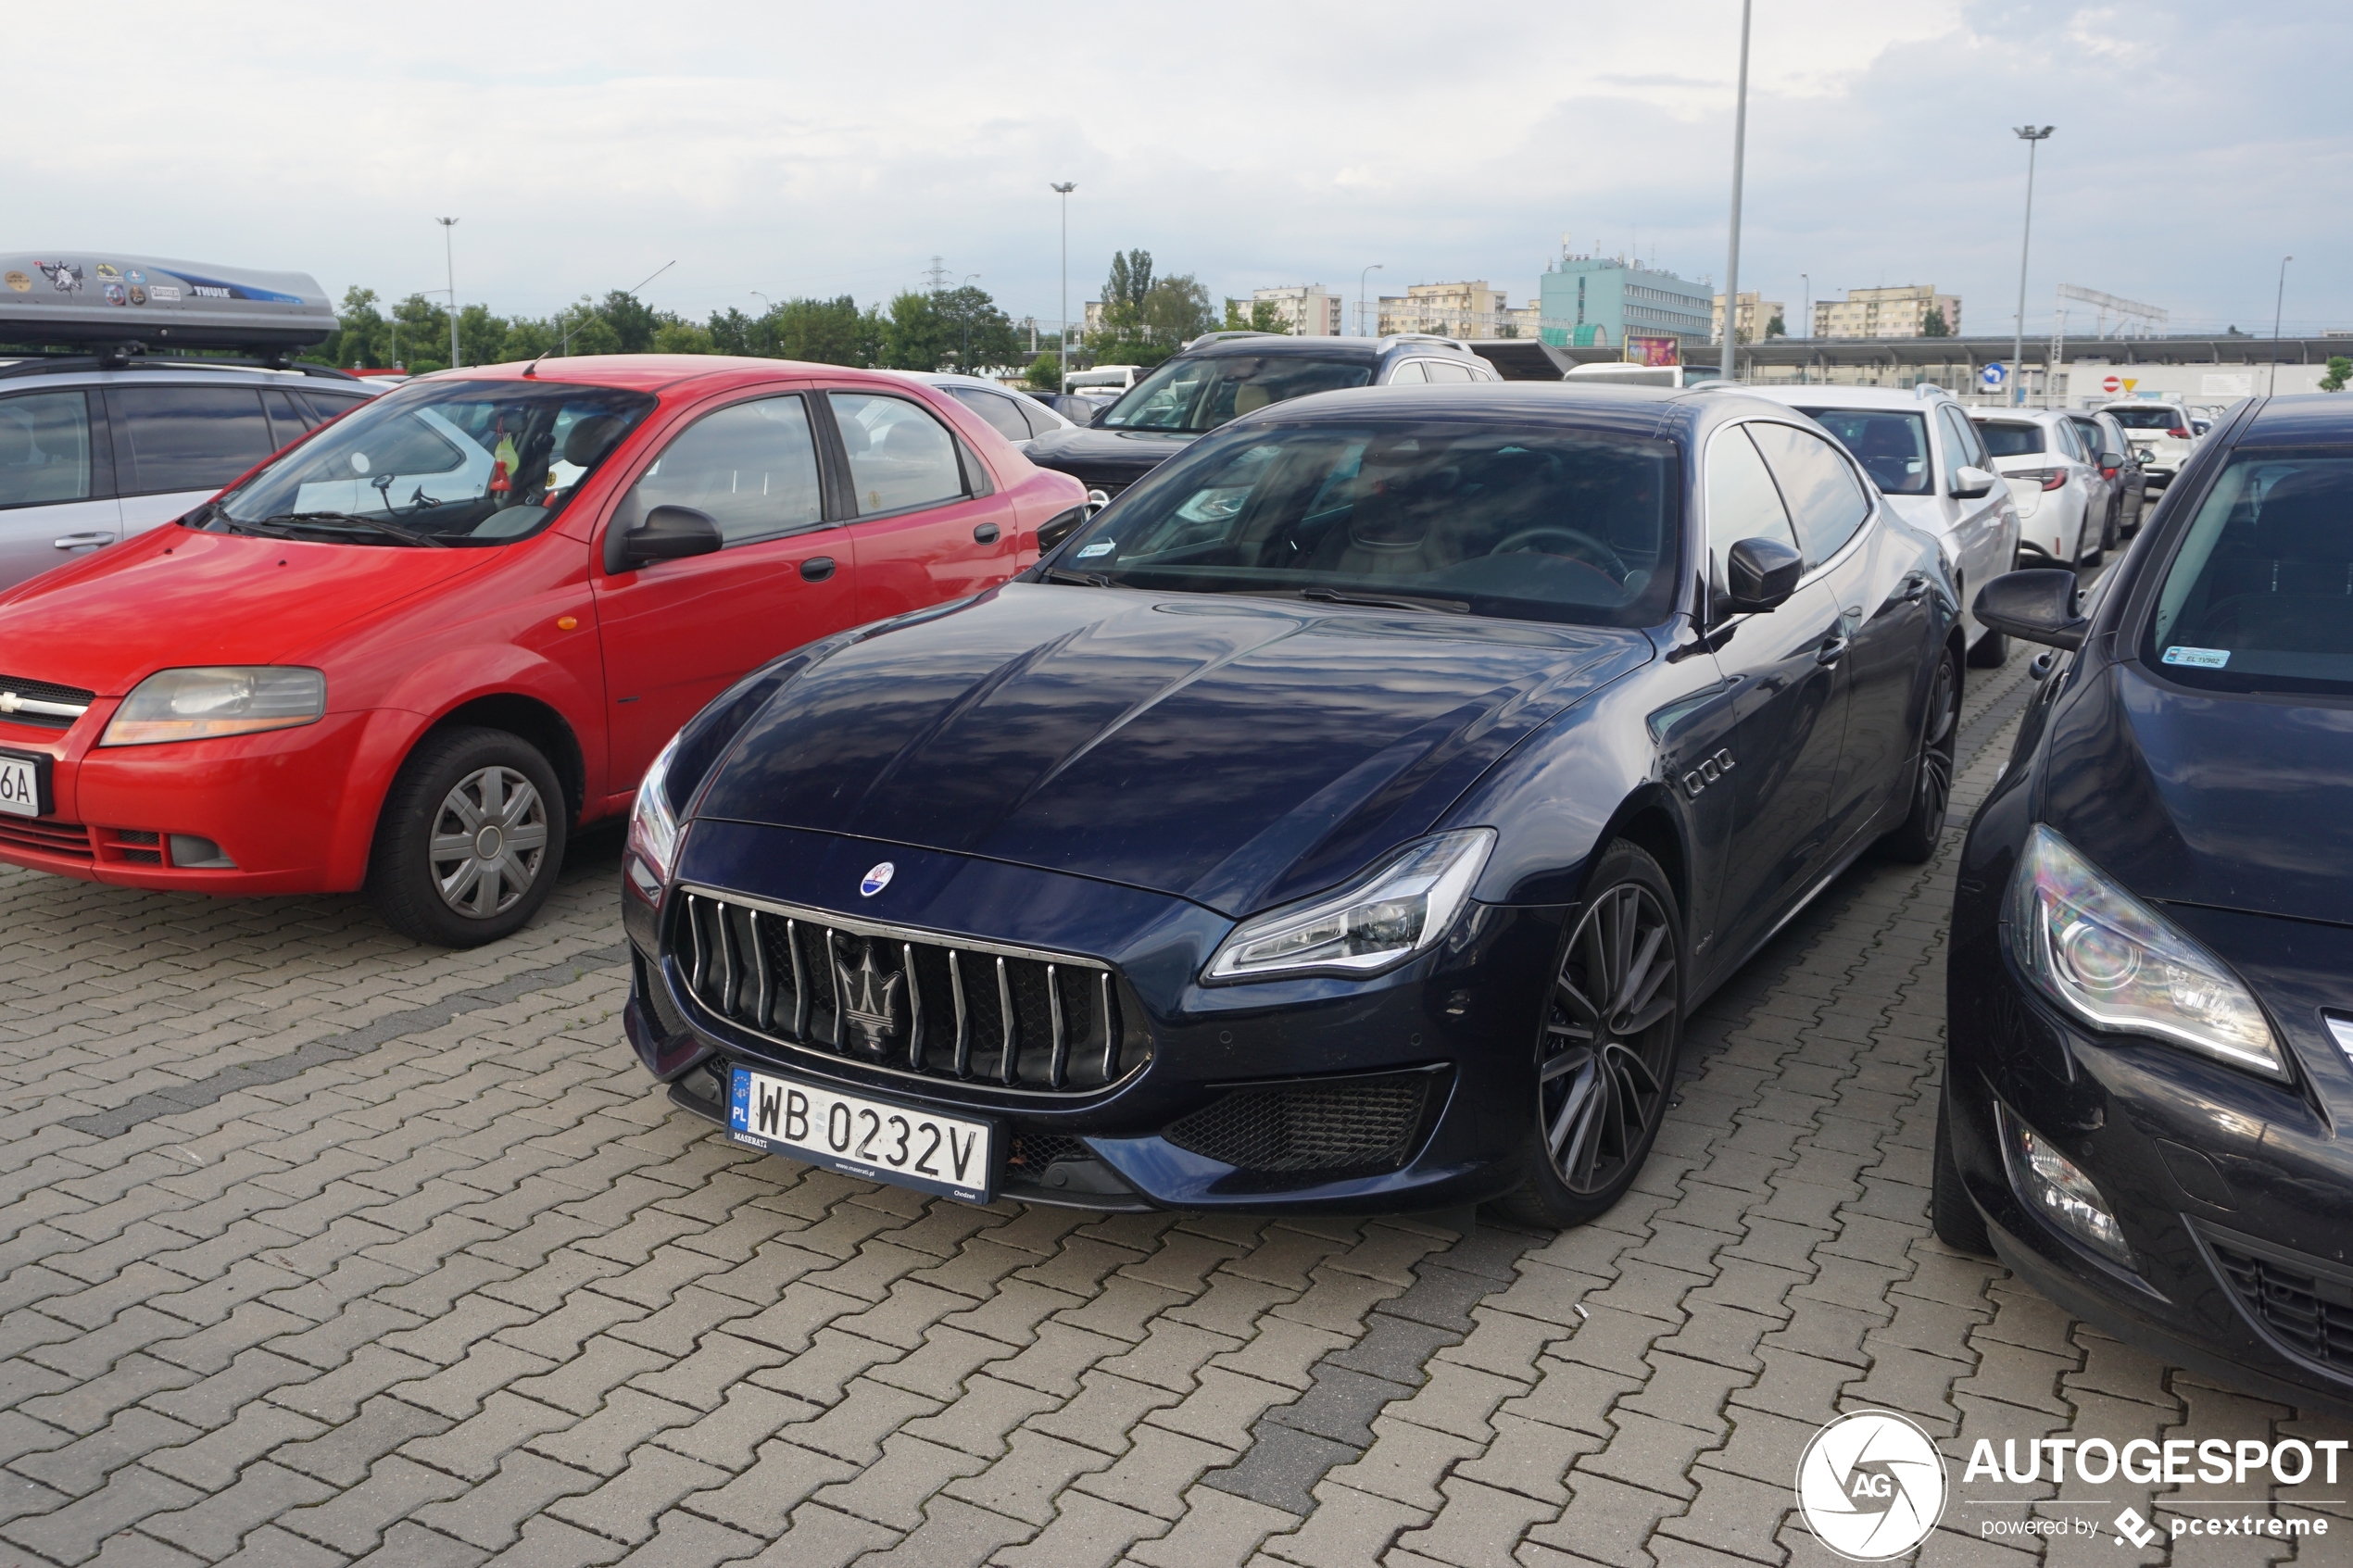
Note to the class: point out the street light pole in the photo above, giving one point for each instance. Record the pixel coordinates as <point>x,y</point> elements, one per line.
<point>1360,297</point>
<point>1063,343</point>
<point>2277,301</point>
<point>449,259</point>
<point>1807,309</point>
<point>2033,136</point>
<point>1739,153</point>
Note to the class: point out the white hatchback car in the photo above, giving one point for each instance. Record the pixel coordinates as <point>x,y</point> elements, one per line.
<point>2061,498</point>
<point>2163,434</point>
<point>1921,449</point>
<point>1017,417</point>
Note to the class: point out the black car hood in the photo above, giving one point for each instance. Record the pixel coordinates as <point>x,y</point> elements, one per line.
<point>1235,751</point>
<point>1113,457</point>
<point>2196,797</point>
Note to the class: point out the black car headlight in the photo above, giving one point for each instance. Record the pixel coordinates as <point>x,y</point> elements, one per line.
<point>653,829</point>
<point>2116,963</point>
<point>1397,911</point>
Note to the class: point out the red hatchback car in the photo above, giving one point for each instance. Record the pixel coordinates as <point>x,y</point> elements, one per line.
<point>413,651</point>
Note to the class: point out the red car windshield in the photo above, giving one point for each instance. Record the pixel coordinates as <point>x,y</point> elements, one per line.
<point>453,463</point>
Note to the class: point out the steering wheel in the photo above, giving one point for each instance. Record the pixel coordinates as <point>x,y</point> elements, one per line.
<point>1526,537</point>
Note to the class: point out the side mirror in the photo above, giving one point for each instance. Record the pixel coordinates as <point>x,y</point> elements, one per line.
<point>669,533</point>
<point>1760,575</point>
<point>2039,605</point>
<point>1969,483</point>
<point>2111,459</point>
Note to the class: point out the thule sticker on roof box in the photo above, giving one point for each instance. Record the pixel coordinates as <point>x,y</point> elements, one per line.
<point>68,300</point>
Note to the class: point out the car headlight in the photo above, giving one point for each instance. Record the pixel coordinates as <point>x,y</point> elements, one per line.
<point>2118,964</point>
<point>653,829</point>
<point>1396,912</point>
<point>213,700</point>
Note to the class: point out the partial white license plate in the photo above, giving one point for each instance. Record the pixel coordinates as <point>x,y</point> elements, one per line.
<point>871,1138</point>
<point>21,781</point>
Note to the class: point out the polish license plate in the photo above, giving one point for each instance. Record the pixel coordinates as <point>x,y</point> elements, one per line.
<point>22,783</point>
<point>949,1155</point>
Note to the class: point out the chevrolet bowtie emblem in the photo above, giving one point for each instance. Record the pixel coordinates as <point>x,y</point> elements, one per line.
<point>872,1006</point>
<point>10,702</point>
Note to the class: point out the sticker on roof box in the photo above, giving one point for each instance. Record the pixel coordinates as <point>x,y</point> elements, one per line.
<point>20,282</point>
<point>2198,658</point>
<point>1100,547</point>
<point>115,295</point>
<point>163,292</point>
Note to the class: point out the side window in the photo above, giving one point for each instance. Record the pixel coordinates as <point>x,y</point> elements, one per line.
<point>1446,369</point>
<point>1040,419</point>
<point>287,421</point>
<point>1826,501</point>
<point>1742,500</point>
<point>1409,373</point>
<point>188,437</point>
<point>331,405</point>
<point>44,448</point>
<point>752,467</point>
<point>1961,442</point>
<point>900,456</point>
<point>999,411</point>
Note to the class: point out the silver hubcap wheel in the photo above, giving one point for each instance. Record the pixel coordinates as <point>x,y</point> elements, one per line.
<point>1609,1041</point>
<point>488,839</point>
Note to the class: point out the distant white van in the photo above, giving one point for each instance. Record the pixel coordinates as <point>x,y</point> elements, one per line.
<point>1102,378</point>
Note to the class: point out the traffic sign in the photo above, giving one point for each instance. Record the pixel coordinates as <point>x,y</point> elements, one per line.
<point>1993,375</point>
<point>2112,383</point>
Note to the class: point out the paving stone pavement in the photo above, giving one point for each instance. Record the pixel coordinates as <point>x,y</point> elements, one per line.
<point>321,1248</point>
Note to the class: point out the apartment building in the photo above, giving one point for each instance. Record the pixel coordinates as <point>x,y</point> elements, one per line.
<point>1902,311</point>
<point>1751,321</point>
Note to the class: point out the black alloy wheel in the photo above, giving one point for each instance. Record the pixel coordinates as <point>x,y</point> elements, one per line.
<point>1915,840</point>
<point>471,840</point>
<point>1605,1062</point>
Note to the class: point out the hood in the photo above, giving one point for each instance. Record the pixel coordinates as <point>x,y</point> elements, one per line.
<point>1235,751</point>
<point>1107,458</point>
<point>2197,797</point>
<point>173,596</point>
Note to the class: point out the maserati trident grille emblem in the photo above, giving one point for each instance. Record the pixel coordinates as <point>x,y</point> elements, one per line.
<point>874,881</point>
<point>870,1004</point>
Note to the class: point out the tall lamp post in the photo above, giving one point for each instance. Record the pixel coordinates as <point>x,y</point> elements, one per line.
<point>449,261</point>
<point>1807,309</point>
<point>1063,190</point>
<point>2278,300</point>
<point>1360,297</point>
<point>1739,153</point>
<point>2032,136</point>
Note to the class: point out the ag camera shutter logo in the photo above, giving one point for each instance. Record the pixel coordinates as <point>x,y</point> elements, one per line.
<point>1871,1485</point>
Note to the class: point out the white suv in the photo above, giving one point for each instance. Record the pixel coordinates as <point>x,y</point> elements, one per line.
<point>1928,460</point>
<point>2162,433</point>
<point>2062,499</point>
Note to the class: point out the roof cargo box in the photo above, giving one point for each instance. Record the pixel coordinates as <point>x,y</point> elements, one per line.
<point>66,297</point>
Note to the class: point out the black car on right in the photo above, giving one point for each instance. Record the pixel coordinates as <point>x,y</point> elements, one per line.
<point>2147,1107</point>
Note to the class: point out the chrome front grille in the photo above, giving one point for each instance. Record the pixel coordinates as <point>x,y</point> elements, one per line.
<point>906,1001</point>
<point>43,703</point>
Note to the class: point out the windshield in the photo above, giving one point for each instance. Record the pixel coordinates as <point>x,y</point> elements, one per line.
<point>469,462</point>
<point>2010,441</point>
<point>2260,596</point>
<point>1892,446</point>
<point>1192,395</point>
<point>2158,418</point>
<point>1526,519</point>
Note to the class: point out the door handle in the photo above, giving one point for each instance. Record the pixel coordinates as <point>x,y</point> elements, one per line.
<point>985,533</point>
<point>75,541</point>
<point>1834,648</point>
<point>816,569</point>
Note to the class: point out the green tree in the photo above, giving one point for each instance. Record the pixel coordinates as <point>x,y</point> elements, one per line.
<point>2340,371</point>
<point>825,331</point>
<point>1176,309</point>
<point>481,337</point>
<point>1130,280</point>
<point>1046,372</point>
<point>1933,324</point>
<point>1264,316</point>
<point>978,335</point>
<point>634,322</point>
<point>915,336</point>
<point>673,336</point>
<point>1776,327</point>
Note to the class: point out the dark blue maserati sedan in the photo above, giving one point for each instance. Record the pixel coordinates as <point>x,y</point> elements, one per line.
<point>2151,976</point>
<point>1349,815</point>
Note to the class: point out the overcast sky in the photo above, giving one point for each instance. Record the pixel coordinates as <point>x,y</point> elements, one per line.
<point>804,149</point>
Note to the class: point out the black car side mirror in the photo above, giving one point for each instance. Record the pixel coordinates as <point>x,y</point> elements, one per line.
<point>669,533</point>
<point>2039,605</point>
<point>1969,483</point>
<point>1760,575</point>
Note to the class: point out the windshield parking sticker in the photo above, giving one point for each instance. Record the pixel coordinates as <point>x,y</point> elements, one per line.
<point>1100,547</point>
<point>2198,658</point>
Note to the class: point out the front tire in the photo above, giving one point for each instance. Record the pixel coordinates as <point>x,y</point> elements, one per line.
<point>471,839</point>
<point>1605,1056</point>
<point>1915,841</point>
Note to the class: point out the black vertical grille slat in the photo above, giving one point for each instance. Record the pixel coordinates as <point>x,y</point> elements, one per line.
<point>904,1001</point>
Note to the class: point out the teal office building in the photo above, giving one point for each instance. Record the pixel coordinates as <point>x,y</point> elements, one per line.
<point>1596,301</point>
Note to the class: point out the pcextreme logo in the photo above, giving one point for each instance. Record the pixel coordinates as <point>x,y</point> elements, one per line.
<point>1871,1485</point>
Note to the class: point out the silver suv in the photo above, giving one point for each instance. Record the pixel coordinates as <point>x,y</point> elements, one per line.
<point>94,450</point>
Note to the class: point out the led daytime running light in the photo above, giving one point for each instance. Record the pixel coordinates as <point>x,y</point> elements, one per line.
<point>1399,911</point>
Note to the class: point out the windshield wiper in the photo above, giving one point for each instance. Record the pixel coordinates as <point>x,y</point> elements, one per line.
<point>349,523</point>
<point>1083,578</point>
<point>1374,601</point>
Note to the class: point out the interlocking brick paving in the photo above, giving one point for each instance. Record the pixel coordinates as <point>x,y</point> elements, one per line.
<point>321,1248</point>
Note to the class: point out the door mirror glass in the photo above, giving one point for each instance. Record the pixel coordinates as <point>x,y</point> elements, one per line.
<point>669,533</point>
<point>2039,605</point>
<point>1969,483</point>
<point>2111,459</point>
<point>1759,574</point>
